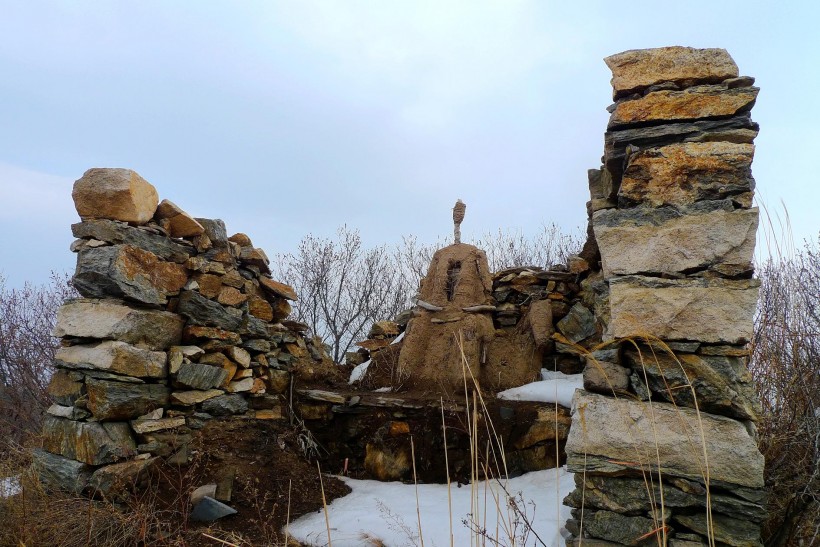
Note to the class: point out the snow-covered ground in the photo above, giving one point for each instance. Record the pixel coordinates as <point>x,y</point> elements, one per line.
<point>9,486</point>
<point>386,512</point>
<point>553,386</point>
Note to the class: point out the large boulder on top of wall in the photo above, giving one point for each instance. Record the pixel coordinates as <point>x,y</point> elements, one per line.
<point>124,271</point>
<point>117,194</point>
<point>637,69</point>
<point>707,310</point>
<point>112,320</point>
<point>616,434</point>
<point>93,443</point>
<point>669,241</point>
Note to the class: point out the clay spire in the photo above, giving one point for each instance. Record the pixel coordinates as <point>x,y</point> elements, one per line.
<point>458,215</point>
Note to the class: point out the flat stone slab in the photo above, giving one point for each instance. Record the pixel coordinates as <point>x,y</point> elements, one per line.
<point>664,241</point>
<point>704,101</point>
<point>627,434</point>
<point>681,174</point>
<point>112,320</point>
<point>124,401</point>
<point>114,356</point>
<point>637,69</point>
<point>705,310</point>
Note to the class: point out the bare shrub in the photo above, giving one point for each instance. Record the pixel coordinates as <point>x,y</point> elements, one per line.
<point>27,349</point>
<point>786,366</point>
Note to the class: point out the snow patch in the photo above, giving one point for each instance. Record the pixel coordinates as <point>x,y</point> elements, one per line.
<point>387,511</point>
<point>9,486</point>
<point>358,372</point>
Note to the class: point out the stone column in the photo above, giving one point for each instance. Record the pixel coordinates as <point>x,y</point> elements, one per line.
<point>664,446</point>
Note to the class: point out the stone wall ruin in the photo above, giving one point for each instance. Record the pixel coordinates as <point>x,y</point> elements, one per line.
<point>180,324</point>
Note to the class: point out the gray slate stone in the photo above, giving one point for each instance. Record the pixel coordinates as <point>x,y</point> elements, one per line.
<point>57,471</point>
<point>578,324</point>
<point>618,528</point>
<point>112,231</point>
<point>726,530</point>
<point>124,401</point>
<point>202,311</point>
<point>215,230</point>
<point>209,510</point>
<point>226,405</point>
<point>199,376</point>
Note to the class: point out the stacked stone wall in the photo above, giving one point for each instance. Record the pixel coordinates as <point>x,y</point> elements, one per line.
<point>178,323</point>
<point>663,438</point>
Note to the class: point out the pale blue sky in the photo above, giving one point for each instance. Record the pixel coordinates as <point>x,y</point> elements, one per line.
<point>284,118</point>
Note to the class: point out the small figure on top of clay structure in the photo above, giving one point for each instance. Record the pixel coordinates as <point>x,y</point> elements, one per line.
<point>458,215</point>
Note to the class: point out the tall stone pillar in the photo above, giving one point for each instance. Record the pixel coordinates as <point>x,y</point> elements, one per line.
<point>665,447</point>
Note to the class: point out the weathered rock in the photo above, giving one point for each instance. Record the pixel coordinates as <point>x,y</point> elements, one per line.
<point>127,272</point>
<point>245,384</point>
<point>578,324</point>
<point>279,380</point>
<point>680,174</point>
<point>215,231</point>
<point>192,333</point>
<point>226,405</point>
<point>200,376</point>
<point>723,385</point>
<point>209,510</point>
<point>150,426</point>
<point>259,307</point>
<point>277,289</point>
<point>605,377</point>
<point>117,480</point>
<point>64,388</point>
<point>540,319</point>
<point>57,471</point>
<point>228,296</point>
<point>209,284</point>
<point>549,425</point>
<point>281,309</point>
<point>118,194</point>
<point>708,310</point>
<point>621,529</point>
<point>665,241</point>
<point>111,320</point>
<point>387,463</point>
<point>239,355</point>
<point>177,222</point>
<point>201,311</point>
<point>739,129</point>
<point>726,530</point>
<point>70,412</point>
<point>619,434</point>
<point>190,398</point>
<point>637,69</point>
<point>123,401</point>
<point>88,442</point>
<point>704,101</point>
<point>114,356</point>
<point>384,328</point>
<point>112,231</point>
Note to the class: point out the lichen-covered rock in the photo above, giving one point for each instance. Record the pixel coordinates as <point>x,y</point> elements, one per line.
<point>124,271</point>
<point>202,311</point>
<point>722,384</point>
<point>118,194</point>
<point>200,376</point>
<point>621,529</point>
<point>117,480</point>
<point>124,401</point>
<point>670,241</point>
<point>578,324</point>
<point>114,356</point>
<point>65,387</point>
<point>681,174</point>
<point>93,443</point>
<point>113,320</point>
<point>637,69</point>
<point>705,101</point>
<point>616,434</point>
<point>226,405</point>
<point>706,310</point>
